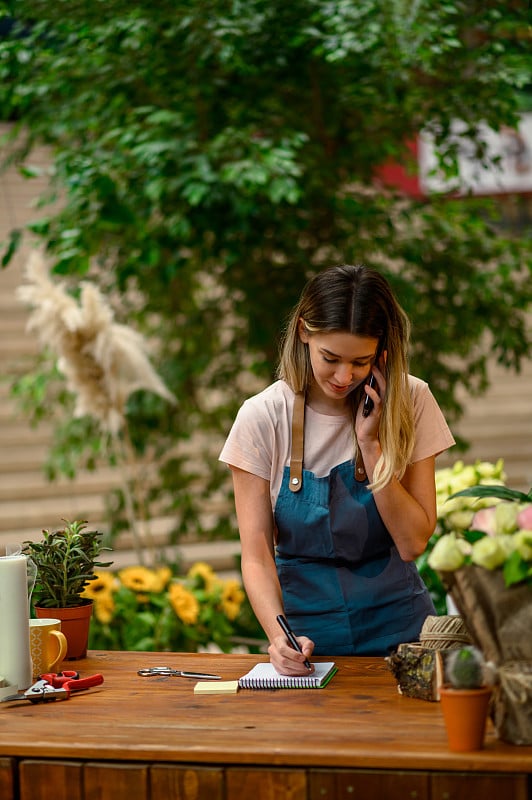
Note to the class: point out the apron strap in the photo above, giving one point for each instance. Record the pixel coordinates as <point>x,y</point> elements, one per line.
<point>296,453</point>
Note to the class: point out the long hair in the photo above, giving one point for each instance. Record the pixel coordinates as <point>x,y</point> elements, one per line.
<point>358,300</point>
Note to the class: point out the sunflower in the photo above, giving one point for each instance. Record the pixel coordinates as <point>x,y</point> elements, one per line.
<point>232,598</point>
<point>104,583</point>
<point>204,573</point>
<point>104,608</point>
<point>164,575</point>
<point>184,603</point>
<point>140,579</point>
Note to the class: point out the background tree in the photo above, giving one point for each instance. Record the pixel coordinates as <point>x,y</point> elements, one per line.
<point>210,156</point>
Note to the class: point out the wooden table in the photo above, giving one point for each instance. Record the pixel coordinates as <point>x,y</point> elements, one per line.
<point>153,739</point>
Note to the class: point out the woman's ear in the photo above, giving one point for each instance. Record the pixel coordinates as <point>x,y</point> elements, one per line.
<point>302,330</point>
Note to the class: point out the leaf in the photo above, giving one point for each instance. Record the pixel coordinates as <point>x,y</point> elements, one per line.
<point>472,536</point>
<point>499,492</point>
<point>15,237</point>
<point>516,569</point>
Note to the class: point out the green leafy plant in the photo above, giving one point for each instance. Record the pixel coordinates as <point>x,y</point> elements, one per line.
<point>153,609</point>
<point>65,560</point>
<point>230,154</point>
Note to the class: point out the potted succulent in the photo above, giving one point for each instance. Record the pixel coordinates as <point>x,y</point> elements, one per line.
<point>465,698</point>
<point>65,560</point>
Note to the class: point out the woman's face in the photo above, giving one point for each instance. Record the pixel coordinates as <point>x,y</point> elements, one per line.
<point>340,362</point>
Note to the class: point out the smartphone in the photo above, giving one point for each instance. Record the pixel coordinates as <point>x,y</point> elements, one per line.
<point>368,402</point>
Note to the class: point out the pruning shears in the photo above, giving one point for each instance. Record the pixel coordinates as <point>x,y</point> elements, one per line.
<point>56,686</point>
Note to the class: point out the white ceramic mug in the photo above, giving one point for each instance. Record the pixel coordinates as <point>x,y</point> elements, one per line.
<point>48,646</point>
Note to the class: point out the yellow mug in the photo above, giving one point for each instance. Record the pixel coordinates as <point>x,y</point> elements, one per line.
<point>48,646</point>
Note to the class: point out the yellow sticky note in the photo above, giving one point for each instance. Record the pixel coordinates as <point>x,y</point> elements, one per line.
<point>216,687</point>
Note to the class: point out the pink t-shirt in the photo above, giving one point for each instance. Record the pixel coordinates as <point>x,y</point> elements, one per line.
<point>260,439</point>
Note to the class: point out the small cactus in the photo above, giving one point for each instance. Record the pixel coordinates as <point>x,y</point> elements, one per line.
<point>465,668</point>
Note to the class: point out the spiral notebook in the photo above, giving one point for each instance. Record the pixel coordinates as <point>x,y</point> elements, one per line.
<point>264,676</point>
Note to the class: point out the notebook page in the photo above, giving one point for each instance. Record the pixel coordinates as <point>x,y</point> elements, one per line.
<point>265,676</point>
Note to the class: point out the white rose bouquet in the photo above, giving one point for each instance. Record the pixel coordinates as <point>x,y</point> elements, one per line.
<point>498,536</point>
<point>486,566</point>
<point>456,514</point>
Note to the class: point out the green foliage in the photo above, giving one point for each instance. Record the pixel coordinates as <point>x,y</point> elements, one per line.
<point>209,157</point>
<point>517,569</point>
<point>65,561</point>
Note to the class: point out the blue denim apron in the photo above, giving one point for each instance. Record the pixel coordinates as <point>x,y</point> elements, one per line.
<point>344,584</point>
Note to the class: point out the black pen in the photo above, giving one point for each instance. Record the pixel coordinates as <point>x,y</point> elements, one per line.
<point>291,638</point>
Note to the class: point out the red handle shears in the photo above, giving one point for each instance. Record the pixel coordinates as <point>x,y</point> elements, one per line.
<point>70,680</point>
<point>55,686</point>
<point>59,685</point>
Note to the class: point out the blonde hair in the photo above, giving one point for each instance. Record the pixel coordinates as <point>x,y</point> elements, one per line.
<point>358,300</point>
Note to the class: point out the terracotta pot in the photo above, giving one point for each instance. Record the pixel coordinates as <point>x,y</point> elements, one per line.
<point>465,712</point>
<point>75,624</point>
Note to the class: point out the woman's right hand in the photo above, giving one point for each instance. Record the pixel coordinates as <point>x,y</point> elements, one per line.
<point>288,661</point>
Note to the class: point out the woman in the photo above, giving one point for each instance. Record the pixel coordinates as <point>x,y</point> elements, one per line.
<point>334,499</point>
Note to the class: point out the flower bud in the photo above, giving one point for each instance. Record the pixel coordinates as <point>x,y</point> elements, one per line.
<point>484,520</point>
<point>522,541</point>
<point>506,517</point>
<point>486,469</point>
<point>447,554</point>
<point>442,480</point>
<point>524,518</point>
<point>460,520</point>
<point>507,543</point>
<point>464,479</point>
<point>488,553</point>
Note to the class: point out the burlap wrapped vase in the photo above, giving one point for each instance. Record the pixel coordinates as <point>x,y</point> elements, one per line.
<point>499,620</point>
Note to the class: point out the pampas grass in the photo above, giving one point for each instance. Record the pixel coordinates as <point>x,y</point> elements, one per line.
<point>102,361</point>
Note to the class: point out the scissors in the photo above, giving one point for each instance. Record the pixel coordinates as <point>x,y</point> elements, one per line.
<point>149,672</point>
